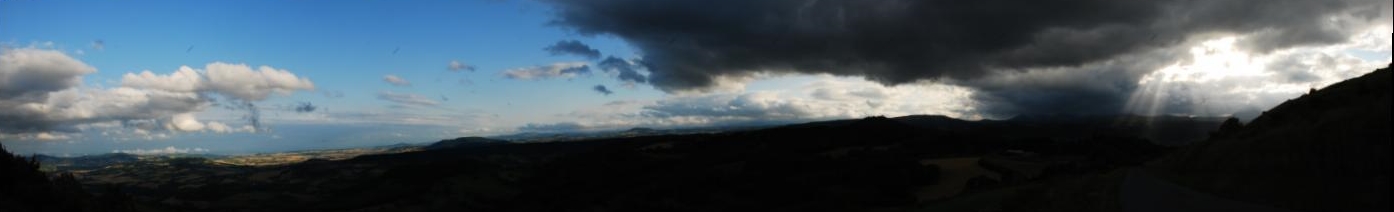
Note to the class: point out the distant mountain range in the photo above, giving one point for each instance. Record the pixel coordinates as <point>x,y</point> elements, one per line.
<point>1163,130</point>
<point>464,142</point>
<point>638,131</point>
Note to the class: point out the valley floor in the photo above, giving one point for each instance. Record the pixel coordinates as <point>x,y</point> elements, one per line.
<point>1141,191</point>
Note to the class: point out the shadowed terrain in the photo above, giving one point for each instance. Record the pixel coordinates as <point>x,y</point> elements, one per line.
<point>24,188</point>
<point>1328,150</point>
<point>872,163</point>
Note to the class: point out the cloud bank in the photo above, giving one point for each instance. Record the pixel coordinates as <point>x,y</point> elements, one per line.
<point>162,151</point>
<point>1026,57</point>
<point>822,98</point>
<point>43,94</point>
<point>236,81</point>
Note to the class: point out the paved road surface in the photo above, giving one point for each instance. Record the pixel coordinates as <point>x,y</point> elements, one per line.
<point>1142,192</point>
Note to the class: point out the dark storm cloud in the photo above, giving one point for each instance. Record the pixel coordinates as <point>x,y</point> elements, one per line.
<point>573,47</point>
<point>628,71</point>
<point>687,44</point>
<point>1101,88</point>
<point>601,89</point>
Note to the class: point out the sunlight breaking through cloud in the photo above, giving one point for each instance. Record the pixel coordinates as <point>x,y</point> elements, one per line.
<point>1220,78</point>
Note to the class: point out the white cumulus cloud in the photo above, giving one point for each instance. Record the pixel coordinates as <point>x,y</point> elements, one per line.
<point>184,122</point>
<point>237,81</point>
<point>42,95</point>
<point>31,73</point>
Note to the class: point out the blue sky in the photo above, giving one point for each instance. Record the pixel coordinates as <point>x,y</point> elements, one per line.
<point>346,49</point>
<point>343,47</point>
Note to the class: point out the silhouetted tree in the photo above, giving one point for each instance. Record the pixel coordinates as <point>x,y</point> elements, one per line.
<point>1228,128</point>
<point>24,188</point>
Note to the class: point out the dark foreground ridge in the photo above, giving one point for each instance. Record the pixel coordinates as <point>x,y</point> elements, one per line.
<point>24,188</point>
<point>1327,151</point>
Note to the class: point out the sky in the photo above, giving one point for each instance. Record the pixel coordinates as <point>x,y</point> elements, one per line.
<point>240,77</point>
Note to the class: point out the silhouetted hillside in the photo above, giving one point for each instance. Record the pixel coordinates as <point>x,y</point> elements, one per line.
<point>860,164</point>
<point>463,142</point>
<point>940,122</point>
<point>1164,130</point>
<point>640,130</point>
<point>24,188</point>
<point>1325,151</point>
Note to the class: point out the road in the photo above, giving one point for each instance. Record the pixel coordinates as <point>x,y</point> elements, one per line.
<point>1143,192</point>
